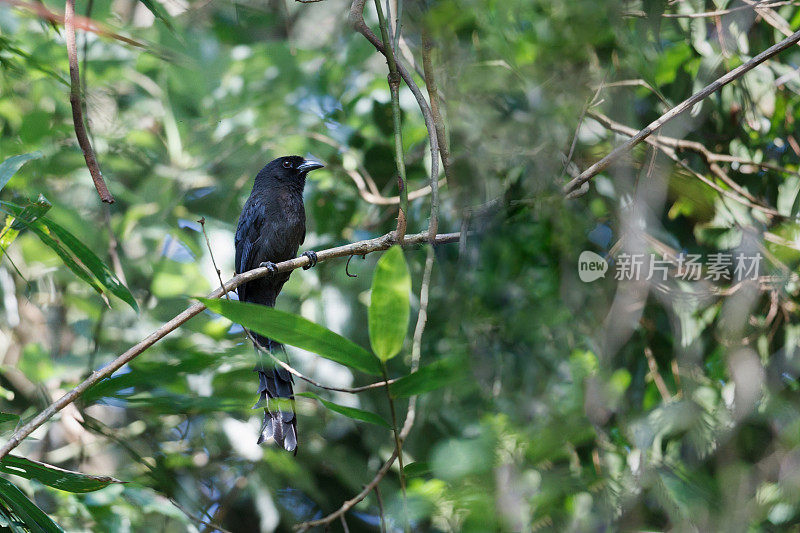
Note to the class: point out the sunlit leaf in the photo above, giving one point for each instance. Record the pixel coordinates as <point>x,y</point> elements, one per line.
<point>295,331</point>
<point>350,412</point>
<point>54,476</point>
<point>427,378</point>
<point>389,306</point>
<point>16,217</point>
<point>10,166</point>
<point>159,13</point>
<point>88,266</point>
<point>101,271</point>
<point>28,513</point>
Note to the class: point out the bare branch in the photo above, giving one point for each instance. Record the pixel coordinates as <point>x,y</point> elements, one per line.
<point>357,248</point>
<point>350,390</point>
<point>738,72</point>
<point>433,95</point>
<point>366,186</point>
<point>77,108</point>
<point>357,21</point>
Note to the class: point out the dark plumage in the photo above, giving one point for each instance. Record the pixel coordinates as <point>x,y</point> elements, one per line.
<point>271,228</point>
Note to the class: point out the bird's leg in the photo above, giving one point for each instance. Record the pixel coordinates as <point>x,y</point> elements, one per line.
<point>312,259</point>
<point>269,265</point>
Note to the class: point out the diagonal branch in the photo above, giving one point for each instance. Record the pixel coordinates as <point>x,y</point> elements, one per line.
<point>77,108</point>
<point>357,248</point>
<point>716,85</point>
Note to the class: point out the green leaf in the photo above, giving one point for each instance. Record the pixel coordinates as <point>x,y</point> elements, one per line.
<point>10,166</point>
<point>100,270</point>
<point>8,422</point>
<point>159,13</point>
<point>417,469</point>
<point>428,378</point>
<point>34,518</point>
<point>90,268</point>
<point>16,217</point>
<point>389,306</point>
<point>52,476</point>
<point>349,412</point>
<point>295,331</point>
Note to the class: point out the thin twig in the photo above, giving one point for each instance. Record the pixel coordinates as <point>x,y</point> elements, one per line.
<point>738,72</point>
<point>346,506</point>
<point>394,89</point>
<point>75,101</point>
<point>356,18</point>
<point>433,96</point>
<point>398,448</point>
<point>202,223</point>
<point>761,4</point>
<point>380,507</point>
<point>668,145</point>
<point>656,375</point>
<point>357,248</point>
<point>682,144</point>
<point>81,23</point>
<point>422,318</point>
<point>366,186</point>
<point>349,390</point>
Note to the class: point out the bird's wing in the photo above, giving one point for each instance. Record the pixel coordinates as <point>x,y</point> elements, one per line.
<point>248,233</point>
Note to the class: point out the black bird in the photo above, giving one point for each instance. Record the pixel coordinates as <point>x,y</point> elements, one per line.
<point>271,228</point>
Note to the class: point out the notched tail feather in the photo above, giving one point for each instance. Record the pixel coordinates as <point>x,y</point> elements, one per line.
<point>280,422</point>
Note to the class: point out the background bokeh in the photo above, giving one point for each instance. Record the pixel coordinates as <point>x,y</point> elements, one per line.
<point>575,406</point>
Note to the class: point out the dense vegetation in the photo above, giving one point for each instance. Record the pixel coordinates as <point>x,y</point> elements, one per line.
<point>540,401</point>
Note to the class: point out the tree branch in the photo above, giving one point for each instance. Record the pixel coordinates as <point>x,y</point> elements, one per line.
<point>394,89</point>
<point>736,73</point>
<point>669,145</point>
<point>357,21</point>
<point>77,109</point>
<point>441,133</point>
<point>357,248</point>
<point>82,23</point>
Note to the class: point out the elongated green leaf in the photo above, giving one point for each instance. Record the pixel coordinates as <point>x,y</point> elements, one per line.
<point>16,217</point>
<point>350,412</point>
<point>52,476</point>
<point>428,378</point>
<point>389,306</point>
<point>296,331</point>
<point>159,13</point>
<point>34,518</point>
<point>10,166</point>
<point>88,266</point>
<point>101,271</point>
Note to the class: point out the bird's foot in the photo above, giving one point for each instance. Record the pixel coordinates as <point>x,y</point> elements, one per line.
<point>312,259</point>
<point>269,265</point>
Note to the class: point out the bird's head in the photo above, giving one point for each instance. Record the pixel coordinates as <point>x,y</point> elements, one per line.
<point>289,170</point>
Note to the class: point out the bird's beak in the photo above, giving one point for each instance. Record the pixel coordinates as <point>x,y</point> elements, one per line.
<point>309,164</point>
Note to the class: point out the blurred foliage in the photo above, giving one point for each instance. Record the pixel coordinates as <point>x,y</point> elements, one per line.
<point>545,402</point>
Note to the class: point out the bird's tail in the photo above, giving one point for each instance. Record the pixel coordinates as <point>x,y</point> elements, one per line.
<point>277,398</point>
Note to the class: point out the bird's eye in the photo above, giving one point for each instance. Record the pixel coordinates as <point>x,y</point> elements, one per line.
<point>287,164</point>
